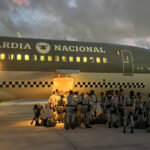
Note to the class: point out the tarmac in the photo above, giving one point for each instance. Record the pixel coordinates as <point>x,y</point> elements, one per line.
<point>16,133</point>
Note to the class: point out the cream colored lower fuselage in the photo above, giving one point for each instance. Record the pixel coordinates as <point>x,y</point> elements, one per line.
<point>26,85</point>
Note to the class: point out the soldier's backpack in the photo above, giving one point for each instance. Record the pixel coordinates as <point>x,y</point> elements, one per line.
<point>50,123</point>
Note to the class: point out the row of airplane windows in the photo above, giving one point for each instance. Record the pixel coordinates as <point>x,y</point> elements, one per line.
<point>42,58</point>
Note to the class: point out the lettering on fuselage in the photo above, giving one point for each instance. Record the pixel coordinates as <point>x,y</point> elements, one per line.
<point>79,49</point>
<point>15,45</point>
<point>45,47</point>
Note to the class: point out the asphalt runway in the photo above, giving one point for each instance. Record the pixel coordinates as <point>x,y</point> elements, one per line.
<point>16,133</point>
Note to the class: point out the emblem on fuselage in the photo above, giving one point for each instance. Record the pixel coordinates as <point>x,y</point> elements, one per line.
<point>43,47</point>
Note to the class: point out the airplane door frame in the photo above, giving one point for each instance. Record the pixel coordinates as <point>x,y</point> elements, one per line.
<point>127,59</point>
<point>58,79</point>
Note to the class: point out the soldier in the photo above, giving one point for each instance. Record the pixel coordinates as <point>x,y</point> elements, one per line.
<point>148,110</point>
<point>108,107</point>
<point>52,103</point>
<point>93,106</point>
<point>129,105</point>
<point>39,113</point>
<point>120,106</point>
<point>70,115</point>
<point>86,109</point>
<point>114,108</point>
<point>79,100</point>
<point>140,111</point>
<point>61,109</point>
<point>36,110</point>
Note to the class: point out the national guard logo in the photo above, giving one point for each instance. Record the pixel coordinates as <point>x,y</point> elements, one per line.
<point>43,47</point>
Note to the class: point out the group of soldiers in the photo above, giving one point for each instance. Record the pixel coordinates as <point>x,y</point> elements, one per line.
<point>116,108</point>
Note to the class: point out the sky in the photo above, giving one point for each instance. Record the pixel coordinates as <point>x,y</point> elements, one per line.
<point>124,22</point>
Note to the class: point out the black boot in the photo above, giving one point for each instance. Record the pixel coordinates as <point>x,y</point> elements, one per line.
<point>132,130</point>
<point>72,126</point>
<point>87,126</point>
<point>37,123</point>
<point>109,125</point>
<point>124,130</point>
<point>115,125</point>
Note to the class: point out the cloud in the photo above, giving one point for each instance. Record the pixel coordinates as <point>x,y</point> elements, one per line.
<point>109,21</point>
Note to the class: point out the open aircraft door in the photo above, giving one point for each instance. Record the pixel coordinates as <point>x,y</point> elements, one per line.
<point>63,84</point>
<point>128,67</point>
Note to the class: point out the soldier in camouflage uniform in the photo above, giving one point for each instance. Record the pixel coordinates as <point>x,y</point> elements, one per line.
<point>129,106</point>
<point>108,107</point>
<point>70,114</point>
<point>93,103</point>
<point>114,108</point>
<point>86,108</point>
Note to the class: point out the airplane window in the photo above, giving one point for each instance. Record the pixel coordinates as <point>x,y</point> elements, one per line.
<point>35,57</point>
<point>2,56</point>
<point>85,59</point>
<point>78,59</point>
<point>64,58</point>
<point>11,57</point>
<point>98,60</point>
<point>19,57</point>
<point>42,58</point>
<point>92,59</point>
<point>26,57</point>
<point>104,60</point>
<point>50,58</point>
<point>71,59</point>
<point>57,58</point>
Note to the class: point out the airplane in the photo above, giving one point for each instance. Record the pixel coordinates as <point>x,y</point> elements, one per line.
<point>33,68</point>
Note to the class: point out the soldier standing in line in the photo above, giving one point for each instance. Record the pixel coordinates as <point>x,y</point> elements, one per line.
<point>93,103</point>
<point>129,107</point>
<point>114,108</point>
<point>148,110</point>
<point>122,96</point>
<point>108,107</point>
<point>102,101</point>
<point>79,107</point>
<point>140,114</point>
<point>86,109</point>
<point>70,115</point>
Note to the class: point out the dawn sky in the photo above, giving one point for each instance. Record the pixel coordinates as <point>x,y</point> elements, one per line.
<point>109,21</point>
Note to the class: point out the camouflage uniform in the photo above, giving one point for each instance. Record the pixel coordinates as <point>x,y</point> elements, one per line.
<point>128,105</point>
<point>80,108</point>
<point>86,109</point>
<point>52,102</point>
<point>148,111</point>
<point>114,109</point>
<point>93,103</point>
<point>70,115</point>
<point>108,109</point>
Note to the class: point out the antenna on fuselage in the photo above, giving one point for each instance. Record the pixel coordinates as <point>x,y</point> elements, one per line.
<point>19,35</point>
